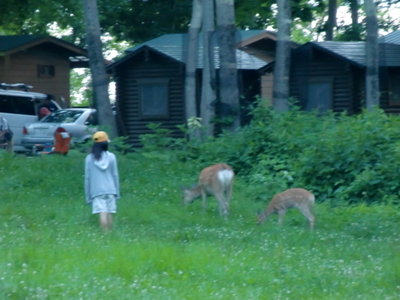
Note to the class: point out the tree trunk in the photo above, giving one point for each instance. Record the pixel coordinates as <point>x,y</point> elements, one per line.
<point>191,61</point>
<point>282,59</point>
<point>354,20</point>
<point>354,12</point>
<point>372,58</point>
<point>208,96</point>
<point>331,24</point>
<point>228,75</point>
<point>98,68</point>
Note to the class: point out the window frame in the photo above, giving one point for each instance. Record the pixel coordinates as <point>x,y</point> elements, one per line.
<point>392,80</point>
<point>319,80</point>
<point>148,82</point>
<point>46,71</point>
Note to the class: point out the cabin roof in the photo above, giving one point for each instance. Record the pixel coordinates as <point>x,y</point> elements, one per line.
<point>354,52</point>
<point>392,38</point>
<point>180,39</point>
<point>175,45</point>
<point>10,44</point>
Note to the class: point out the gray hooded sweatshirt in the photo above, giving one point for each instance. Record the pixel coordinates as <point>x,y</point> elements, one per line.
<point>101,176</point>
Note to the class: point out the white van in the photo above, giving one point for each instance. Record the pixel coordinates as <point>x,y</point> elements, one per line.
<point>19,106</point>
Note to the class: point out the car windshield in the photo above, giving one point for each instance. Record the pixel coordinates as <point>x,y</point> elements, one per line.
<point>63,116</point>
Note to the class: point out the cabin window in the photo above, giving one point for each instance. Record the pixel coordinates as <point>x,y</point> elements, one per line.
<point>153,98</point>
<point>46,71</point>
<point>394,90</point>
<point>319,94</point>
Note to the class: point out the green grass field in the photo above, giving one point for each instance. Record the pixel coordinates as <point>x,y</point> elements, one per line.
<point>51,247</point>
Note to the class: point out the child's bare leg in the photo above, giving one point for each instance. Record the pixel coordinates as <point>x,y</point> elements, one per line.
<point>109,220</point>
<point>104,221</point>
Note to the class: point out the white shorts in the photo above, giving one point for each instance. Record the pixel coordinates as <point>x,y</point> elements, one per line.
<point>104,203</point>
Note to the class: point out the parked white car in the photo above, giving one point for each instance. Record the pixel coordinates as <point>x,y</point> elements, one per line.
<point>75,121</point>
<point>19,107</point>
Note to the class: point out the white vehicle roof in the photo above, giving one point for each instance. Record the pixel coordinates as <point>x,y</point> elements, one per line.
<point>78,108</point>
<point>23,94</point>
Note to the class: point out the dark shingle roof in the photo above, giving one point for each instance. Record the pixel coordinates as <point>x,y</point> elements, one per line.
<point>9,42</point>
<point>175,45</point>
<point>180,39</point>
<point>12,43</point>
<point>242,35</point>
<point>392,38</point>
<point>352,51</point>
<point>389,54</point>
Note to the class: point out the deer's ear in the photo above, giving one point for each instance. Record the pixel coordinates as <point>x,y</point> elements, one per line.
<point>182,188</point>
<point>258,211</point>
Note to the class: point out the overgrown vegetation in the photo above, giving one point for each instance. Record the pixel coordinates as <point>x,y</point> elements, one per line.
<point>352,158</point>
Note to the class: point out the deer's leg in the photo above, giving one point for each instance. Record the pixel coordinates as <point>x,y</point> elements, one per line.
<point>222,205</point>
<point>229,195</point>
<point>204,198</point>
<point>281,215</point>
<point>309,216</point>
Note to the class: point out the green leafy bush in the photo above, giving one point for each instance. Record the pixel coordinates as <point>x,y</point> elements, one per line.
<point>354,158</point>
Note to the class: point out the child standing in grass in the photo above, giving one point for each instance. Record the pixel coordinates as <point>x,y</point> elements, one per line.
<point>102,180</point>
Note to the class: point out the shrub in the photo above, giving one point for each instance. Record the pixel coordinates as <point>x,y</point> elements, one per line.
<point>354,158</point>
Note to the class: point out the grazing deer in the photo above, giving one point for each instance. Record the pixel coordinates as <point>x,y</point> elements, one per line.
<point>280,203</point>
<point>214,180</point>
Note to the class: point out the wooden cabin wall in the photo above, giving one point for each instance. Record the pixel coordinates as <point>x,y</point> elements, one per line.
<point>23,68</point>
<point>249,90</point>
<point>300,68</point>
<point>264,50</point>
<point>267,86</point>
<point>3,70</point>
<point>316,64</point>
<point>148,66</point>
<point>384,101</point>
<point>358,88</point>
<point>385,74</point>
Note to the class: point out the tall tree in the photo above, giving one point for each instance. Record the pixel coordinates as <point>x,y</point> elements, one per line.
<point>282,59</point>
<point>191,60</point>
<point>97,67</point>
<point>356,30</point>
<point>372,58</point>
<point>208,94</point>
<point>355,26</point>
<point>228,75</point>
<point>331,23</point>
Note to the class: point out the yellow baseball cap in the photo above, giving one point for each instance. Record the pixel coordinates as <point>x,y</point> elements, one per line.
<point>100,136</point>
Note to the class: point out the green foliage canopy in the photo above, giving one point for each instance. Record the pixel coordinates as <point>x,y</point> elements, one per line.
<point>134,21</point>
<point>34,17</point>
